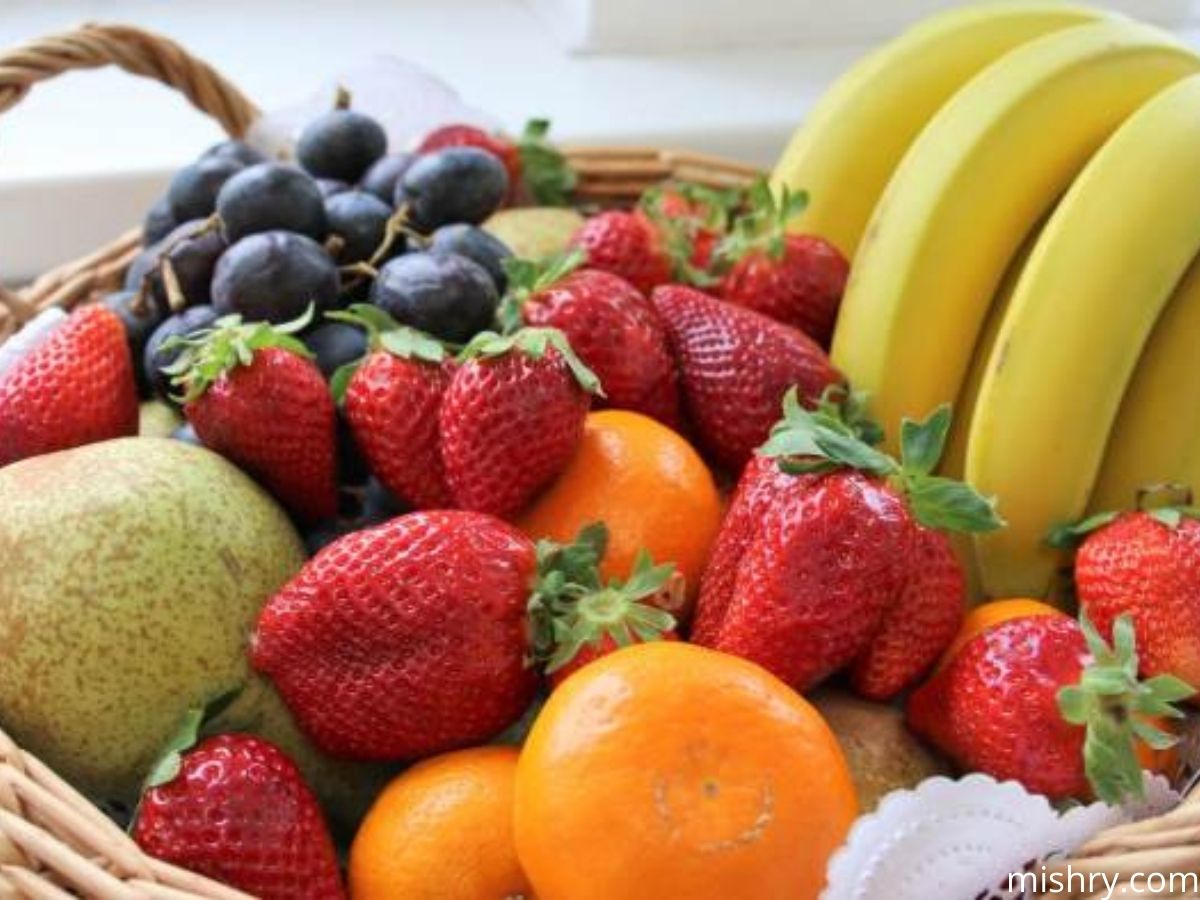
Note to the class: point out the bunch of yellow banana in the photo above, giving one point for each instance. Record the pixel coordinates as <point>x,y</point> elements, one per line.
<point>1019,187</point>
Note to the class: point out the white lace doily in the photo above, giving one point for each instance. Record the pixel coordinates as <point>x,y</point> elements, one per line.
<point>31,334</point>
<point>960,839</point>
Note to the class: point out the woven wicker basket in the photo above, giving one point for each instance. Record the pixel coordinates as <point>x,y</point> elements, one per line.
<point>54,844</point>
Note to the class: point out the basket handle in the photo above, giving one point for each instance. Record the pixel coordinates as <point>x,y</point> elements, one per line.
<point>144,53</point>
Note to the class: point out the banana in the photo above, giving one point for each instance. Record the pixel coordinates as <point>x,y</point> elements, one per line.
<point>848,145</point>
<point>954,459</point>
<point>1104,267</point>
<point>986,168</point>
<point>1156,437</point>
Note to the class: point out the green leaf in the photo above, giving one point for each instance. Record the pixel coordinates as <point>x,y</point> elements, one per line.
<point>950,505</point>
<point>1167,515</point>
<point>543,168</point>
<point>171,760</point>
<point>1155,738</point>
<point>408,343</point>
<point>921,443</point>
<point>1073,704</point>
<point>340,381</point>
<point>1068,536</point>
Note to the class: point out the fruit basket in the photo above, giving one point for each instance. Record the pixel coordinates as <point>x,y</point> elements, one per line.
<point>55,844</point>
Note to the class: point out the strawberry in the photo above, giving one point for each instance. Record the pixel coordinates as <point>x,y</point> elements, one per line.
<point>74,387</point>
<point>531,161</point>
<point>253,394</point>
<point>391,399</point>
<point>795,279</point>
<point>406,639</point>
<point>511,417</point>
<point>577,619</point>
<point>234,808</point>
<point>610,324</point>
<point>1144,564</point>
<point>627,244</point>
<point>695,218</point>
<point>735,366</point>
<point>919,623</point>
<point>1045,701</point>
<point>817,566</point>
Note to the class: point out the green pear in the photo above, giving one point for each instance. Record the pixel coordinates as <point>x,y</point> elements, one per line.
<point>157,418</point>
<point>131,574</point>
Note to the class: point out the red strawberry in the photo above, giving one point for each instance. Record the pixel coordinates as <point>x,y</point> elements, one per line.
<point>74,388</point>
<point>1026,697</point>
<point>237,810</point>
<point>919,624</point>
<point>406,639</point>
<point>1146,564</point>
<point>532,162</point>
<point>693,217</point>
<point>253,395</point>
<point>391,400</point>
<point>735,366</point>
<point>512,417</point>
<point>627,244</point>
<point>612,327</point>
<point>817,550</point>
<point>795,279</point>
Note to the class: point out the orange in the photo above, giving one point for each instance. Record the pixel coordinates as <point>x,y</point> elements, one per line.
<point>442,831</point>
<point>646,483</point>
<point>984,616</point>
<point>670,770</point>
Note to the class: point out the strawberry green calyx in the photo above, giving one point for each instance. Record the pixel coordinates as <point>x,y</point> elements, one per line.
<point>763,227</point>
<point>709,209</point>
<point>534,343</point>
<point>571,608</point>
<point>527,277</point>
<point>543,168</point>
<point>208,354</point>
<point>185,737</point>
<point>384,334</point>
<point>1118,710</point>
<point>822,440</point>
<point>1170,514</point>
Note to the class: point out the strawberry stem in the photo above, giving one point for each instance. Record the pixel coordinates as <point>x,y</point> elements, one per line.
<point>1117,710</point>
<point>543,168</point>
<point>527,277</point>
<point>826,439</point>
<point>210,353</point>
<point>571,608</point>
<point>534,343</point>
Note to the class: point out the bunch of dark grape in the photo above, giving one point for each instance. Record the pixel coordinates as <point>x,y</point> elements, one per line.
<point>343,221</point>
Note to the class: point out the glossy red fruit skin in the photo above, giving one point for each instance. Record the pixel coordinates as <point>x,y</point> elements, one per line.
<point>406,639</point>
<point>735,365</point>
<point>803,288</point>
<point>392,405</point>
<point>919,623</point>
<point>593,652</point>
<point>75,388</point>
<point>275,419</point>
<point>993,708</point>
<point>618,335</point>
<point>626,244</point>
<point>239,812</point>
<point>508,427</point>
<point>813,578</point>
<point>1140,566</point>
<point>471,136</point>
